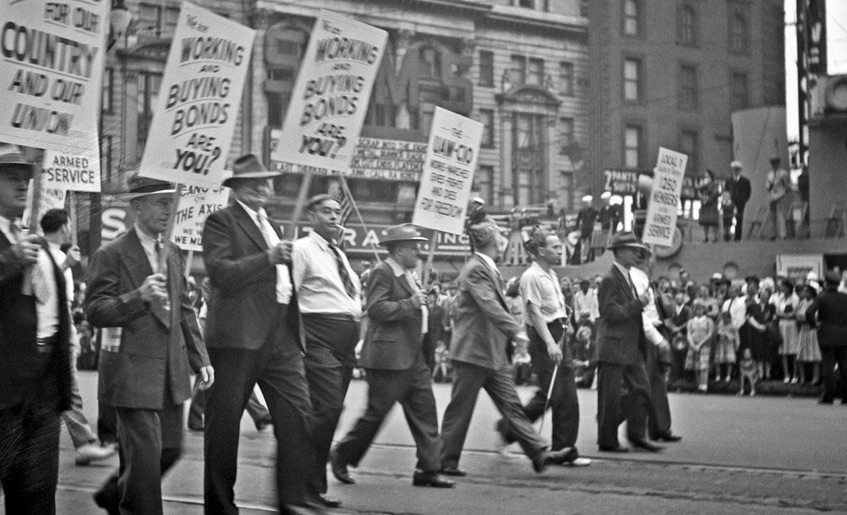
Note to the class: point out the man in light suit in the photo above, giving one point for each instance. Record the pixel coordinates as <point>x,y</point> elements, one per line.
<point>396,368</point>
<point>622,351</point>
<point>480,351</point>
<point>252,334</point>
<point>138,295</point>
<point>35,329</point>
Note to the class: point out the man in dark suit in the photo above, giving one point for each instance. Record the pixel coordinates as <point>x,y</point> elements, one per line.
<point>480,352</point>
<point>35,377</point>
<point>622,351</point>
<point>151,343</point>
<point>252,334</point>
<point>393,358</point>
<point>829,310</point>
<point>739,192</point>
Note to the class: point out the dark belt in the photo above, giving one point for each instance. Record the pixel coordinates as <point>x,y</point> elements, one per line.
<point>346,317</point>
<point>47,345</point>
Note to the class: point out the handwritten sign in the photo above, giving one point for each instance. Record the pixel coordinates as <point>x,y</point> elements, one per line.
<point>664,198</point>
<point>52,70</point>
<point>194,120</point>
<point>447,180</point>
<point>330,98</point>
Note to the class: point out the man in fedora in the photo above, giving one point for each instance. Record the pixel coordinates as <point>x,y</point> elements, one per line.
<point>329,296</point>
<point>252,333</point>
<point>396,368</point>
<point>35,377</point>
<point>739,192</point>
<point>622,351</point>
<point>151,343</point>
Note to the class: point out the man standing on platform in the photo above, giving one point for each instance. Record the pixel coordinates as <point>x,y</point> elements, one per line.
<point>35,331</point>
<point>622,350</point>
<point>548,327</point>
<point>151,343</point>
<point>330,304</point>
<point>778,186</point>
<point>252,332</point>
<point>395,365</point>
<point>739,192</point>
<point>480,352</point>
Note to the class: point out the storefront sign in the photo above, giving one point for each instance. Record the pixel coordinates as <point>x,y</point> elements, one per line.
<point>798,266</point>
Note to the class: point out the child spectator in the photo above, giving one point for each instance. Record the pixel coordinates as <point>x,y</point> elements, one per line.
<point>726,343</point>
<point>748,372</point>
<point>700,330</point>
<point>807,336</point>
<point>441,372</point>
<point>583,353</point>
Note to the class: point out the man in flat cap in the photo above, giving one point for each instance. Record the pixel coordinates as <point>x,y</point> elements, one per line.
<point>35,380</point>
<point>739,192</point>
<point>480,352</point>
<point>252,332</point>
<point>393,358</point>
<point>138,296</point>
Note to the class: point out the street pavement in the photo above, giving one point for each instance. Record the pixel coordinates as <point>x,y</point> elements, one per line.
<point>759,455</point>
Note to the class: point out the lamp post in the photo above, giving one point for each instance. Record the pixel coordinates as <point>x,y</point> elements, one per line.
<point>119,19</point>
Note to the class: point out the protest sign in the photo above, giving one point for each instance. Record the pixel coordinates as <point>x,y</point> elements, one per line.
<point>194,120</point>
<point>195,204</point>
<point>663,208</point>
<point>52,71</point>
<point>448,172</point>
<point>73,171</point>
<point>47,198</point>
<point>330,98</point>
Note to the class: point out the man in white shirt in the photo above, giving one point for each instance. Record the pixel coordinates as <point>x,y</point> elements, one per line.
<point>585,304</point>
<point>56,226</point>
<point>736,305</point>
<point>329,297</point>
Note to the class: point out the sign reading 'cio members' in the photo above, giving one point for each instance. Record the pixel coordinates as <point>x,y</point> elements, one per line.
<point>330,98</point>
<point>198,103</point>
<point>663,208</point>
<point>51,71</point>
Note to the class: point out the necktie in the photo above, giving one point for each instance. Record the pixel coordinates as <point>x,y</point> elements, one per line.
<point>631,284</point>
<point>162,307</point>
<point>349,287</point>
<point>263,227</point>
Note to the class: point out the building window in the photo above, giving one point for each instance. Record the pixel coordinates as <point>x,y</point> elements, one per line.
<point>739,32</point>
<point>689,144</point>
<point>529,4</point>
<point>686,31</point>
<point>528,159</point>
<point>107,98</point>
<point>739,86</point>
<point>632,17</point>
<point>688,94</point>
<point>535,72</point>
<point>566,138</point>
<point>156,21</point>
<point>106,158</point>
<point>632,80</point>
<point>486,117</point>
<point>430,61</point>
<point>484,183</point>
<point>566,79</point>
<point>632,146</point>
<point>148,91</point>
<point>518,70</point>
<point>486,68</point>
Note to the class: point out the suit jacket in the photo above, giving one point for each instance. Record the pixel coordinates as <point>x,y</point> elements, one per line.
<point>20,373</point>
<point>484,328</point>
<point>393,340</point>
<point>152,360</point>
<point>739,191</point>
<point>242,305</point>
<point>620,329</point>
<point>829,312</point>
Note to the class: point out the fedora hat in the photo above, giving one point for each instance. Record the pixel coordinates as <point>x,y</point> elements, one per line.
<point>627,239</point>
<point>11,155</point>
<point>143,186</point>
<point>402,232</point>
<point>248,166</point>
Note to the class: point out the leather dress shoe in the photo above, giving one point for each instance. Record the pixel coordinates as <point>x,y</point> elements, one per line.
<point>452,471</point>
<point>540,462</point>
<point>434,479</point>
<point>339,468</point>
<point>318,500</point>
<point>645,445</point>
<point>110,505</point>
<point>613,448</point>
<point>668,437</point>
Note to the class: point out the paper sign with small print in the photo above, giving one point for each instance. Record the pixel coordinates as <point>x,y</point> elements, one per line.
<point>195,205</point>
<point>48,198</point>
<point>73,171</point>
<point>330,97</point>
<point>199,100</point>
<point>663,208</point>
<point>51,72</point>
<point>448,172</point>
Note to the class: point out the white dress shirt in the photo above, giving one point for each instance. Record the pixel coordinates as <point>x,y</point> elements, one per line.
<point>650,313</point>
<point>586,303</point>
<point>148,243</point>
<point>283,280</point>
<point>737,308</point>
<point>318,281</point>
<point>410,278</point>
<point>543,290</point>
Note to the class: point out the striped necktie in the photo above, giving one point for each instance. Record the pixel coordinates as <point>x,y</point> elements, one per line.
<point>349,287</point>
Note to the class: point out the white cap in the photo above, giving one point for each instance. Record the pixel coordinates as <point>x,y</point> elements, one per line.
<point>616,200</point>
<point>587,198</point>
<point>606,194</point>
<point>478,200</point>
<point>736,164</point>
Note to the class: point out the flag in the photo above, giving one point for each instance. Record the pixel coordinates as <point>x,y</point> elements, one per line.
<point>346,201</point>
